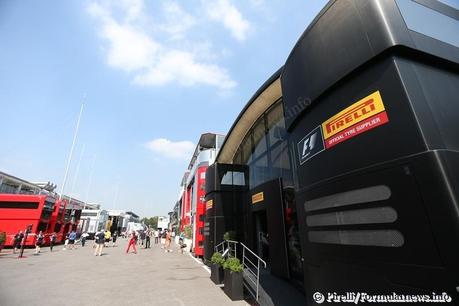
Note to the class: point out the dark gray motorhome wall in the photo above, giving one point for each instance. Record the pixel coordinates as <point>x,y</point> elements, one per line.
<point>378,208</point>
<point>224,206</point>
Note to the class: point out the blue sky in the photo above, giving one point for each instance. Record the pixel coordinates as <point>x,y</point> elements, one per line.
<point>154,74</point>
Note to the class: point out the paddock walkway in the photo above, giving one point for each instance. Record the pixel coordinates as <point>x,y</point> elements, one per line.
<point>77,277</point>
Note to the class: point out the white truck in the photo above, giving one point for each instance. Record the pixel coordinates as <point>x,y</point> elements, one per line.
<point>92,221</point>
<point>134,226</point>
<point>163,222</point>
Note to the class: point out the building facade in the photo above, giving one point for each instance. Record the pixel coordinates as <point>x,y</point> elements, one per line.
<point>192,202</point>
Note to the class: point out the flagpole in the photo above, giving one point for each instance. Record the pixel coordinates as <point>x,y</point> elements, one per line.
<point>90,181</point>
<point>71,152</point>
<point>75,177</point>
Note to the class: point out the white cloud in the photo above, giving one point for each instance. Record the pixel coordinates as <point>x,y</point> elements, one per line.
<point>225,12</point>
<point>169,149</point>
<point>151,62</point>
<point>129,49</point>
<point>182,66</point>
<point>178,22</point>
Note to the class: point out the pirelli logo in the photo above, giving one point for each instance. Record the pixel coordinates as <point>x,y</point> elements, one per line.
<point>209,204</point>
<point>257,197</point>
<point>360,117</point>
<point>360,110</point>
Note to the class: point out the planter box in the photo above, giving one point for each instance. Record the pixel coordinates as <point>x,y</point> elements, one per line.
<point>216,274</point>
<point>233,285</point>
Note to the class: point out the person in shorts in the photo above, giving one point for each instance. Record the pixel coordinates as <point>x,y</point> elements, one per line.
<point>52,241</point>
<point>39,242</point>
<point>107,237</point>
<point>84,236</point>
<point>147,238</point>
<point>143,235</point>
<point>72,238</point>
<point>100,241</point>
<point>167,244</point>
<point>17,240</point>
<point>115,235</point>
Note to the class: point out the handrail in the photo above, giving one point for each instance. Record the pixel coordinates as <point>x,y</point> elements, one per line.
<point>229,243</point>
<point>245,259</point>
<point>254,269</point>
<point>264,262</point>
<point>216,247</point>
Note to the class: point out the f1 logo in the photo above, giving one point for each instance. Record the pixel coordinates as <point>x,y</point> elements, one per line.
<point>311,145</point>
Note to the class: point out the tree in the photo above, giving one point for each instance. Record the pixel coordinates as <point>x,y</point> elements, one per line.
<point>151,222</point>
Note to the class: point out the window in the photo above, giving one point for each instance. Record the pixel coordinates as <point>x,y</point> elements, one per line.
<point>238,157</point>
<point>452,3</point>
<point>89,214</point>
<point>20,205</point>
<point>42,226</point>
<point>233,178</point>
<point>247,149</point>
<point>57,227</point>
<point>441,27</point>
<point>259,171</point>
<point>259,138</point>
<point>276,125</point>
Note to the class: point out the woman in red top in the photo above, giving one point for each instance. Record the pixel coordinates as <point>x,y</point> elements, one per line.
<point>132,242</point>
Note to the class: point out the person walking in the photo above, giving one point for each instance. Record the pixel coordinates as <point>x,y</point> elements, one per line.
<point>132,242</point>
<point>156,234</point>
<point>17,240</point>
<point>115,235</point>
<point>142,237</point>
<point>66,242</point>
<point>52,241</point>
<point>39,242</point>
<point>72,238</point>
<point>147,238</point>
<point>84,236</point>
<point>100,241</point>
<point>181,242</point>
<point>167,244</point>
<point>108,236</point>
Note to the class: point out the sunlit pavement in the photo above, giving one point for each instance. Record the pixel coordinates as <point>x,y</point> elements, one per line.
<point>77,277</point>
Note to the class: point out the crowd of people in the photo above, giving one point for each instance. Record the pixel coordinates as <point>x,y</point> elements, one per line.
<point>103,238</point>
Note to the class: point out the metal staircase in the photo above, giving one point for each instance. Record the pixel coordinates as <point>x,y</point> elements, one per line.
<point>250,261</point>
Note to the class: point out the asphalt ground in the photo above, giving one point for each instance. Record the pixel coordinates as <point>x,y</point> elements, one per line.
<point>77,277</point>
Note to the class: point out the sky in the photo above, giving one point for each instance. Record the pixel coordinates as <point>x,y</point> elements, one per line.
<point>153,76</point>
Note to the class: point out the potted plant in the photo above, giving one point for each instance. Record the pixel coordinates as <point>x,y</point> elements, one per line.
<point>233,279</point>
<point>2,240</point>
<point>216,269</point>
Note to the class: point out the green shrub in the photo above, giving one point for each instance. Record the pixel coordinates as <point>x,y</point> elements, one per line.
<point>231,235</point>
<point>233,264</point>
<point>188,231</point>
<point>2,237</point>
<point>218,259</point>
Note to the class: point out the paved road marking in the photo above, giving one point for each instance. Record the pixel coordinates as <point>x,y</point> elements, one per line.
<point>200,262</point>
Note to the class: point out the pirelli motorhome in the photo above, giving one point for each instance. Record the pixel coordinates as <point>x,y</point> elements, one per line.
<point>342,171</point>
